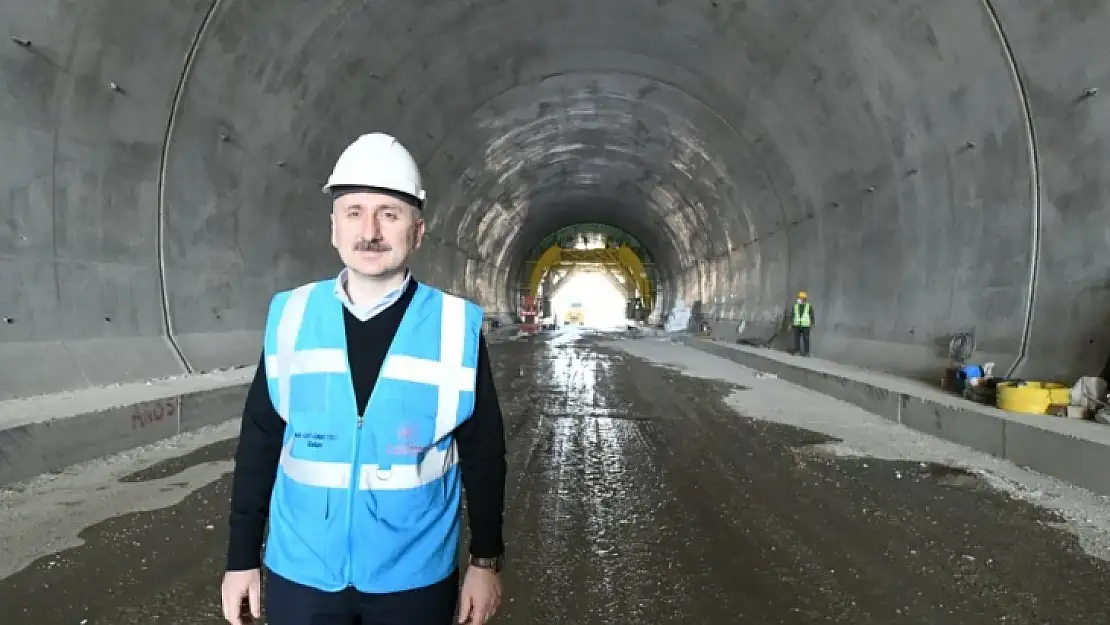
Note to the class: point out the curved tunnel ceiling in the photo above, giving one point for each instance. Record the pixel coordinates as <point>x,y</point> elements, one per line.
<point>922,167</point>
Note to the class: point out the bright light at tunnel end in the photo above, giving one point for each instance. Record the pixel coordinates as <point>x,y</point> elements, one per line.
<point>591,298</point>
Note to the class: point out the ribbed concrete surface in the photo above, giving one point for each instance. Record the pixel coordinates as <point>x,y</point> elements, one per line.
<point>921,167</point>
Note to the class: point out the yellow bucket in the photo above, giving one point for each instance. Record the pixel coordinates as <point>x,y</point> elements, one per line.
<point>1032,397</point>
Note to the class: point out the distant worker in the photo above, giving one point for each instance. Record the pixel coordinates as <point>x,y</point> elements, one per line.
<point>803,320</point>
<point>372,401</point>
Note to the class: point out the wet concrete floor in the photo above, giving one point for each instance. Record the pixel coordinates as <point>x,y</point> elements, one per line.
<point>637,496</point>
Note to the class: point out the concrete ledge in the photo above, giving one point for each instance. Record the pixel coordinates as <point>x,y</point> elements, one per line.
<point>1077,452</point>
<point>505,332</point>
<point>53,432</point>
<point>758,332</point>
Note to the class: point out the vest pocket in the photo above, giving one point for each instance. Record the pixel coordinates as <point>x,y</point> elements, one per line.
<point>408,505</point>
<point>407,484</point>
<point>307,477</point>
<point>304,502</point>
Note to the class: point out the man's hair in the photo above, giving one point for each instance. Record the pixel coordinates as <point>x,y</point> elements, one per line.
<point>341,190</point>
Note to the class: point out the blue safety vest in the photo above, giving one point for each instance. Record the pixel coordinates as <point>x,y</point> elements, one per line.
<point>368,496</point>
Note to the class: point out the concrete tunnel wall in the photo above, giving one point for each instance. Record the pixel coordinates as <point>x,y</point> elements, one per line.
<point>922,167</point>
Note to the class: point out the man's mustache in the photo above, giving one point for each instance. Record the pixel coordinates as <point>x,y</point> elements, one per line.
<point>372,246</point>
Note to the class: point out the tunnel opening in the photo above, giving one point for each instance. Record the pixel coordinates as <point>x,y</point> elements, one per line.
<point>587,299</point>
<point>587,274</point>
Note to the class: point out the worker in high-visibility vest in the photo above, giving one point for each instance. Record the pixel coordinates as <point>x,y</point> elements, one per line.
<point>372,411</point>
<point>802,320</point>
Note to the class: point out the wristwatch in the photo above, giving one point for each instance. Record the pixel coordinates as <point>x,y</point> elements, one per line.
<point>494,564</point>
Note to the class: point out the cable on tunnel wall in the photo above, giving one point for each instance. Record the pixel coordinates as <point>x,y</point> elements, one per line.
<point>1035,183</point>
<point>160,235</point>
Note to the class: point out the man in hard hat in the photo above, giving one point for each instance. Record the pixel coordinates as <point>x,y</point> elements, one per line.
<point>801,321</point>
<point>373,402</point>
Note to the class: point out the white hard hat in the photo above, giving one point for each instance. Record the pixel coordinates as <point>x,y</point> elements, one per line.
<point>380,161</point>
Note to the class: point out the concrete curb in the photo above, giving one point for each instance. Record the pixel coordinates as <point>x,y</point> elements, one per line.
<point>48,437</point>
<point>31,449</point>
<point>1072,451</point>
<point>503,333</point>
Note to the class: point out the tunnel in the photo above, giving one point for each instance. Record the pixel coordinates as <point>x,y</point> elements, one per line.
<point>923,168</point>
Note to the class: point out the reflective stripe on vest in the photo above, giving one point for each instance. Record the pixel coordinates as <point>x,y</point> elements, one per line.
<point>448,374</point>
<point>801,315</point>
<point>371,476</point>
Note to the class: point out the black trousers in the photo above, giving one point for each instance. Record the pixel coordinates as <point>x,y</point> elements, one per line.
<point>801,341</point>
<point>290,603</point>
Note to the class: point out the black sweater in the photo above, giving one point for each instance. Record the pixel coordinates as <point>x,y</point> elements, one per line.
<point>480,439</point>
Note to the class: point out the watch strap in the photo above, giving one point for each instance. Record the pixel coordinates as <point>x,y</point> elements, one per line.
<point>494,564</point>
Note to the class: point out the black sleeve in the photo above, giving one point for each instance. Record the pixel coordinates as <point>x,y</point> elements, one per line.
<point>481,441</point>
<point>812,315</point>
<point>256,462</point>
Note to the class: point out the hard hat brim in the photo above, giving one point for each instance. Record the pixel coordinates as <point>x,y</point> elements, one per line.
<point>339,190</point>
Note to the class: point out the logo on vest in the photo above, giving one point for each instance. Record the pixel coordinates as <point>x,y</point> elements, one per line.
<point>408,440</point>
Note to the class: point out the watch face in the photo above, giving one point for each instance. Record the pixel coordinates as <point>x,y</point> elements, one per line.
<point>489,563</point>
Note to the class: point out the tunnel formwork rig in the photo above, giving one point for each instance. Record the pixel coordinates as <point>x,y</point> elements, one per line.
<point>590,248</point>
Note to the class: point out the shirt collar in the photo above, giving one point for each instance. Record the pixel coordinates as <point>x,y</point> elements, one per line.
<point>363,313</point>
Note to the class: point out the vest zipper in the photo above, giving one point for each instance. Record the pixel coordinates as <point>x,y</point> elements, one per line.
<point>351,491</point>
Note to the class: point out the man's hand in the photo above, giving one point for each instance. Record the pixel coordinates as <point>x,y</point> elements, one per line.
<point>481,596</point>
<point>239,585</point>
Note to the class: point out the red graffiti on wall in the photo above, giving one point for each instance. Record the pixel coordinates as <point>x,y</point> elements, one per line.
<point>154,412</point>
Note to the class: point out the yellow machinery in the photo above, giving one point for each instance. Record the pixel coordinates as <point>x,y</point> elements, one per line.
<point>622,260</point>
<point>1032,397</point>
<point>575,315</point>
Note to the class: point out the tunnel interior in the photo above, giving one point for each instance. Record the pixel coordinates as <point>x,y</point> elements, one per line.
<point>922,168</point>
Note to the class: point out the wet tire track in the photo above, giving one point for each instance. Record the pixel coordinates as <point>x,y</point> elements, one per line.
<point>569,543</point>
<point>777,576</point>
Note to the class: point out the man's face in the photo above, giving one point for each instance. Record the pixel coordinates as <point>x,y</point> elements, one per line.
<point>375,233</point>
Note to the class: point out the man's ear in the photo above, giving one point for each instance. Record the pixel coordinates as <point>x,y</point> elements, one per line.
<point>418,233</point>
<point>334,242</point>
